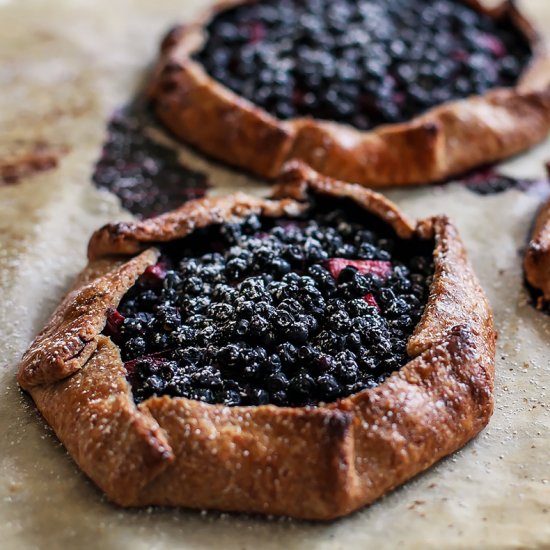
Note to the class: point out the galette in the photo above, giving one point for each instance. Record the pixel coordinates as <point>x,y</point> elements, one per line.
<point>300,355</point>
<point>537,257</point>
<point>379,92</point>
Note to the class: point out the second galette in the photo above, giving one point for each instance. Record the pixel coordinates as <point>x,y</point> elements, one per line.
<point>379,92</point>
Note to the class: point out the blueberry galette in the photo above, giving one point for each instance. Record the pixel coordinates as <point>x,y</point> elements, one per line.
<point>300,355</point>
<point>380,92</point>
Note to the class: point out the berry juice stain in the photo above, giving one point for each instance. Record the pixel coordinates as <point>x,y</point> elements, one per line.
<point>489,181</point>
<point>146,176</point>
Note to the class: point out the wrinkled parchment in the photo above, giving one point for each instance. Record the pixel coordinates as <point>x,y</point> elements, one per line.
<point>64,66</point>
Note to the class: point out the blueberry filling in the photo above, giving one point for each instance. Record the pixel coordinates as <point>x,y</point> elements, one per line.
<point>291,312</point>
<point>361,62</point>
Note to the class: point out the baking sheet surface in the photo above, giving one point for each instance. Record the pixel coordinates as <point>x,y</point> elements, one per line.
<point>64,66</point>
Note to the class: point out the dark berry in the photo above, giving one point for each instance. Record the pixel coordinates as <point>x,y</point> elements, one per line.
<point>302,386</point>
<point>328,387</point>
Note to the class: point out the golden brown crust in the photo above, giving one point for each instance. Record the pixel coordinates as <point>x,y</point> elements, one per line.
<point>450,303</point>
<point>425,411</point>
<point>315,463</point>
<point>298,179</point>
<point>93,413</point>
<point>70,337</point>
<point>445,141</point>
<point>266,459</point>
<point>537,257</point>
<point>132,237</point>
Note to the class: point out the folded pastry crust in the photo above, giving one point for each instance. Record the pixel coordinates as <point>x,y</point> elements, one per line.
<point>445,141</point>
<point>315,463</point>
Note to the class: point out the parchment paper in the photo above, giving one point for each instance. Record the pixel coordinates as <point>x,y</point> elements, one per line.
<point>64,66</point>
